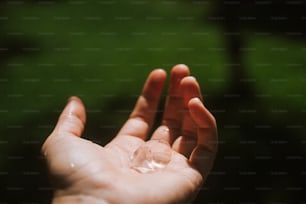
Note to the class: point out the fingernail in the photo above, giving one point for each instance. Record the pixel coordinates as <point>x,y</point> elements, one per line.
<point>72,98</point>
<point>195,99</point>
<point>192,77</point>
<point>189,80</point>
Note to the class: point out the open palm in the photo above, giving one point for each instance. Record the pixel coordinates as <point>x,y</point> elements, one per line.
<point>82,171</point>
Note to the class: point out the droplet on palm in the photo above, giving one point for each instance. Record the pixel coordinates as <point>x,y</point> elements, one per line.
<point>151,156</point>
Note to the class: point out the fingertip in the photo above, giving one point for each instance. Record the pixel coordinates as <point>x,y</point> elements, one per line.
<point>180,69</point>
<point>189,80</point>
<point>181,66</point>
<point>200,113</point>
<point>160,70</point>
<point>72,119</point>
<point>74,98</point>
<point>190,89</point>
<point>195,101</point>
<point>159,74</point>
<point>195,105</point>
<point>154,84</point>
<point>75,107</point>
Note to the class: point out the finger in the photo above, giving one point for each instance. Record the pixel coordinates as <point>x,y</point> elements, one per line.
<point>142,117</point>
<point>184,145</point>
<point>187,141</point>
<point>190,88</point>
<point>72,119</point>
<point>161,133</point>
<point>207,127</point>
<point>203,155</point>
<point>172,117</point>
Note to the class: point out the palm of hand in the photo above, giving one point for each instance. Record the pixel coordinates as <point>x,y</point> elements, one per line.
<point>80,167</point>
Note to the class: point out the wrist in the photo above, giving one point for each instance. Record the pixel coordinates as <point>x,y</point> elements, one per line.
<point>77,199</point>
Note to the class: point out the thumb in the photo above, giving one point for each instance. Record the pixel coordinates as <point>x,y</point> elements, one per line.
<point>72,119</point>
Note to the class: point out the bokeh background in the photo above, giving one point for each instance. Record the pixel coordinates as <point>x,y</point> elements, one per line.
<point>248,56</point>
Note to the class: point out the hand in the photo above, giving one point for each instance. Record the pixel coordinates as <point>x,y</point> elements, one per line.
<point>84,172</point>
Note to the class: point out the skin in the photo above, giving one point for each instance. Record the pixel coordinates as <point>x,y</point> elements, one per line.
<point>84,172</point>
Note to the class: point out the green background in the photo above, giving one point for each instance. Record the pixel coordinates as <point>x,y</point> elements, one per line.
<point>102,52</point>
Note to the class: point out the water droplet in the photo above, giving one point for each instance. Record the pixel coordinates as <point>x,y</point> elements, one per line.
<point>151,156</point>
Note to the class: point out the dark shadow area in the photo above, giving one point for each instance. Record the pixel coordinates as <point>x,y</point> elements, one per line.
<point>260,159</point>
<point>237,19</point>
<point>261,156</point>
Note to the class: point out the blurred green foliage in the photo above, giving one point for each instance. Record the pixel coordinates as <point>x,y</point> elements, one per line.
<point>102,52</point>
